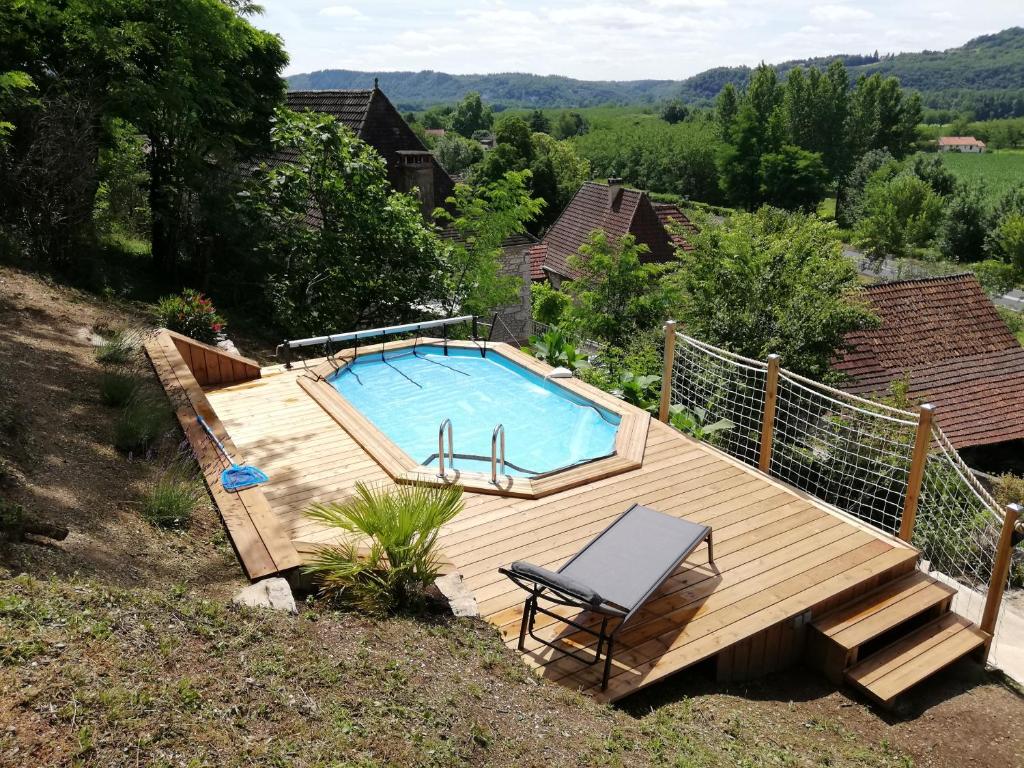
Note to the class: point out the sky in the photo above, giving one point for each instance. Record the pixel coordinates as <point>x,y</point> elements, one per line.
<point>607,40</point>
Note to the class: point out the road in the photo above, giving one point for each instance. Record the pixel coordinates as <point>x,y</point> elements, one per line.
<point>900,269</point>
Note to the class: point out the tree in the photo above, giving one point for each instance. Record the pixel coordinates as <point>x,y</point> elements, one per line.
<point>771,282</point>
<point>539,122</point>
<point>556,171</point>
<point>457,153</point>
<point>1010,205</point>
<point>882,116</point>
<point>851,193</point>
<point>485,217</point>
<point>471,115</point>
<point>963,231</point>
<point>437,117</point>
<point>199,82</point>
<point>569,124</point>
<point>15,87</point>
<point>793,178</point>
<point>1008,241</point>
<point>757,131</point>
<point>901,216</point>
<point>336,246</point>
<point>674,112</point>
<point>569,171</point>
<point>726,109</point>
<point>617,295</point>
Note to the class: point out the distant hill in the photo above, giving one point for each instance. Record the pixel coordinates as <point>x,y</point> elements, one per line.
<point>985,76</point>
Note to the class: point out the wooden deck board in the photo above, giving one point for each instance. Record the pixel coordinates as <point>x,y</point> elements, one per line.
<point>778,552</point>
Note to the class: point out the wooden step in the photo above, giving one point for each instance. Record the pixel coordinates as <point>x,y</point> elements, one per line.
<point>840,635</point>
<point>936,645</point>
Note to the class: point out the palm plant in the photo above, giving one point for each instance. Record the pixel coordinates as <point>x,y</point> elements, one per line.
<point>388,552</point>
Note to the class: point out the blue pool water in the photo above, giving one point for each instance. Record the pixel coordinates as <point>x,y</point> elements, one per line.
<point>407,396</point>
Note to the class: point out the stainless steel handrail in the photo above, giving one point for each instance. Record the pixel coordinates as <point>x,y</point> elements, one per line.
<point>498,431</point>
<point>440,447</point>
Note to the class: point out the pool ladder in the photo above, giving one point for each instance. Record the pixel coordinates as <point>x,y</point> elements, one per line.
<point>440,448</point>
<point>497,450</point>
<point>496,435</point>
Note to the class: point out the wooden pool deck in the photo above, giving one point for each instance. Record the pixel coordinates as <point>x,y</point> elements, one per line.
<point>782,558</point>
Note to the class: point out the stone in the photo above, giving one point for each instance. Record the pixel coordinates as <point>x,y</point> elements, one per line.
<point>273,593</point>
<point>88,336</point>
<point>460,598</point>
<point>228,346</point>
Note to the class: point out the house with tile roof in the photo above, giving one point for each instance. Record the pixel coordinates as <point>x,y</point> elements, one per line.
<point>960,144</point>
<point>373,118</point>
<point>616,210</point>
<point>945,337</point>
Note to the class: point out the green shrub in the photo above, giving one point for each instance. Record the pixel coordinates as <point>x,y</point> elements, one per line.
<point>191,314</point>
<point>556,349</point>
<point>388,556</point>
<point>643,391</point>
<point>118,387</point>
<point>144,418</point>
<point>175,496</point>
<point>1009,489</point>
<point>119,349</point>
<point>697,424</point>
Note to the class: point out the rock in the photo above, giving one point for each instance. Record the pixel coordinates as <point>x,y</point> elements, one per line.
<point>273,593</point>
<point>88,336</point>
<point>229,346</point>
<point>459,597</point>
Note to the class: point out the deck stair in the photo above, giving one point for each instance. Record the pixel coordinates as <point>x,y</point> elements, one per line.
<point>893,638</point>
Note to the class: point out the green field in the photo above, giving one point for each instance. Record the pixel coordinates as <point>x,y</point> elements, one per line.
<point>998,170</point>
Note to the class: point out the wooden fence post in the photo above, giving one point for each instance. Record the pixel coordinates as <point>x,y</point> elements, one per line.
<point>1000,572</point>
<point>917,466</point>
<point>771,397</point>
<point>666,371</point>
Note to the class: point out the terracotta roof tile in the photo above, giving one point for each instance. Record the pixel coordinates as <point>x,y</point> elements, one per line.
<point>674,219</point>
<point>347,107</point>
<point>615,210</point>
<point>538,254</point>
<point>945,336</point>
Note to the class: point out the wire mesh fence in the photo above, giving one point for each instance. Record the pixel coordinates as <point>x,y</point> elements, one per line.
<point>712,384</point>
<point>853,453</point>
<point>848,451</point>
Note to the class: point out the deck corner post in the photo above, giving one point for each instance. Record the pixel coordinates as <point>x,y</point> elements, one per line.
<point>666,371</point>
<point>1000,572</point>
<point>915,477</point>
<point>771,397</point>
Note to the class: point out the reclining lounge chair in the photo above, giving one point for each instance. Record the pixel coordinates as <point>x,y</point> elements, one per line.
<point>614,575</point>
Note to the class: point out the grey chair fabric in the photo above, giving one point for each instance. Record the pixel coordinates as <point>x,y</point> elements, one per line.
<point>637,552</point>
<point>563,583</point>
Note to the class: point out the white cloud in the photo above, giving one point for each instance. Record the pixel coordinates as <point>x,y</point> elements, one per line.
<point>342,11</point>
<point>612,39</point>
<point>832,14</point>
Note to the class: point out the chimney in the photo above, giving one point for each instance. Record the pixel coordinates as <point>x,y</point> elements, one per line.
<point>614,190</point>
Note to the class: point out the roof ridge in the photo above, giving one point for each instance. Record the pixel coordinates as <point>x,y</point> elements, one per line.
<point>331,90</point>
<point>928,279</point>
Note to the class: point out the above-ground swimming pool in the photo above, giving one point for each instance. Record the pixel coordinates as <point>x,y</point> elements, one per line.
<point>408,394</point>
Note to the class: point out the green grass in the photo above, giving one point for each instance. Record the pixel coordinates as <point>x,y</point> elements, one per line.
<point>174,498</point>
<point>117,387</point>
<point>98,675</point>
<point>120,349</point>
<point>143,420</point>
<point>999,170</point>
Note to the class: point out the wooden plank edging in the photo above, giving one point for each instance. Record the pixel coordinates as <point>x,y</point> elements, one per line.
<point>261,544</point>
